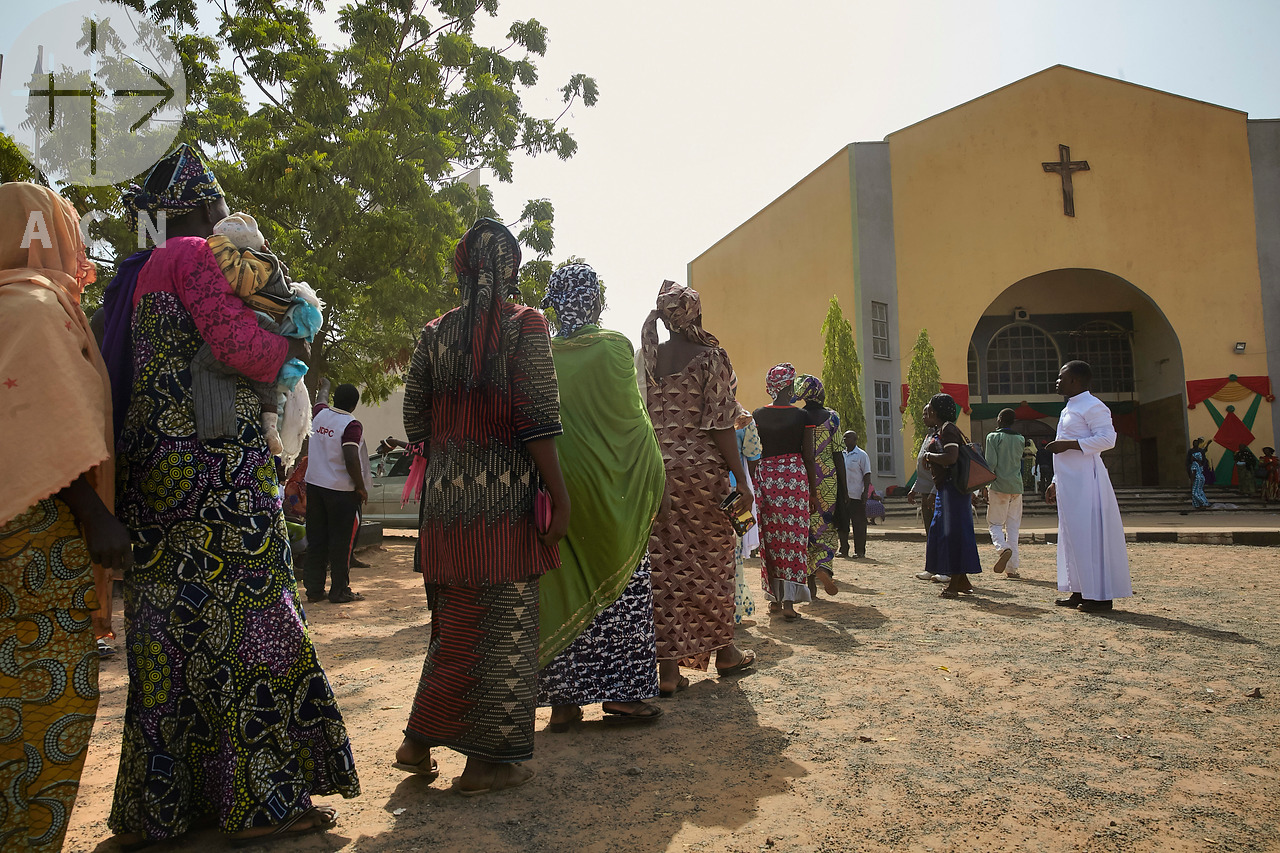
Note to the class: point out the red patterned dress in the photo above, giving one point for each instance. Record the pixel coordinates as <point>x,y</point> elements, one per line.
<point>783,485</point>
<point>692,549</point>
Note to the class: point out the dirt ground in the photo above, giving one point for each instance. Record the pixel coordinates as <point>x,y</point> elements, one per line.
<point>887,719</point>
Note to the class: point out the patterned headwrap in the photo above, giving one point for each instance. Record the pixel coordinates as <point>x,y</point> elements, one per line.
<point>944,406</point>
<point>487,262</point>
<point>680,308</point>
<point>574,293</point>
<point>809,389</point>
<point>178,184</point>
<point>779,376</point>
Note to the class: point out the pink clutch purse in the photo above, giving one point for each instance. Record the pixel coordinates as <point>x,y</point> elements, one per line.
<point>542,510</point>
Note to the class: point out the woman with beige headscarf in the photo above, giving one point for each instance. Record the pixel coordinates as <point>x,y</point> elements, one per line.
<point>59,541</point>
<point>686,382</point>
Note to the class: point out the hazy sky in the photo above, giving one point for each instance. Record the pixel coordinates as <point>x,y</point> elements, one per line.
<point>710,109</point>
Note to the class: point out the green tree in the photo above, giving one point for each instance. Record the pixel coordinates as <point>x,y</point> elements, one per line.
<point>923,381</point>
<point>350,155</point>
<point>842,371</point>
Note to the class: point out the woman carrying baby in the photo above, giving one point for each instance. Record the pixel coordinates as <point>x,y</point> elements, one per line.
<point>230,719</point>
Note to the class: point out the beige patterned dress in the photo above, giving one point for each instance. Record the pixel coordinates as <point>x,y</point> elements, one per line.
<point>692,549</point>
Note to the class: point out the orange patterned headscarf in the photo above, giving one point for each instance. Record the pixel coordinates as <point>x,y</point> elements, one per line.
<point>55,397</point>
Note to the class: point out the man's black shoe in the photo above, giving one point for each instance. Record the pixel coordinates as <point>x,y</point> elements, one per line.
<point>1071,601</point>
<point>313,597</point>
<point>1089,605</point>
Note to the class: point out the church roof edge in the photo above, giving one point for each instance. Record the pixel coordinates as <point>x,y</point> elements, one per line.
<point>1052,69</point>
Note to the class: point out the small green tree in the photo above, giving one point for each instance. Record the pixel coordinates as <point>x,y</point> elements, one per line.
<point>923,381</point>
<point>842,371</point>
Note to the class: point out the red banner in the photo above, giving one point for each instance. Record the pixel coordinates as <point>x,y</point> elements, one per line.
<point>959,392</point>
<point>1199,390</point>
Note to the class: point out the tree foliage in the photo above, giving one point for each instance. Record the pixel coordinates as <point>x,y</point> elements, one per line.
<point>842,371</point>
<point>923,381</point>
<point>349,155</point>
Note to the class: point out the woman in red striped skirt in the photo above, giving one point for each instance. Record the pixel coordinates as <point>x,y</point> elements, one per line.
<point>787,482</point>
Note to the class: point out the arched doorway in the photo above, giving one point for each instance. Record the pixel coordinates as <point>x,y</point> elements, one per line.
<point>1045,320</point>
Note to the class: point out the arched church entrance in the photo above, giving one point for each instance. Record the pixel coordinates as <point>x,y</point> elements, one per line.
<point>1038,324</point>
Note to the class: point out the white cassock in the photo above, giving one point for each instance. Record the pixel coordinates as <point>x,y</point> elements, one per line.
<point>1091,552</point>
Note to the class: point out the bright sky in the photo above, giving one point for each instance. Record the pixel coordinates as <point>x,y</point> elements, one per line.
<point>710,109</point>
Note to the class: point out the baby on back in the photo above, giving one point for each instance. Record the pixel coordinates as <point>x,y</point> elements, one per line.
<point>289,308</point>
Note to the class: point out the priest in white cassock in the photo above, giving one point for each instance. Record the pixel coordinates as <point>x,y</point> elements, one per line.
<point>1092,562</point>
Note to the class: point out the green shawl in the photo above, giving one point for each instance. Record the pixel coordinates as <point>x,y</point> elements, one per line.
<point>613,469</point>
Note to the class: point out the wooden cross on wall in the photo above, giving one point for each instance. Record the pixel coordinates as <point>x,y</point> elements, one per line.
<point>1064,166</point>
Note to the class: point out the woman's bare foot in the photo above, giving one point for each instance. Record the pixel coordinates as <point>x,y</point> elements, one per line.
<point>668,676</point>
<point>482,777</point>
<point>789,611</point>
<point>412,752</point>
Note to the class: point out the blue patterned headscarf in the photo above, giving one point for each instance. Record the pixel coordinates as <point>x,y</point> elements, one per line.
<point>178,184</point>
<point>574,293</point>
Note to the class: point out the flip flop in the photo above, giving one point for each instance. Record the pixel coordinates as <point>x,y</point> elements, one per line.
<point>430,772</point>
<point>501,781</point>
<point>748,661</point>
<point>648,714</point>
<point>790,617</point>
<point>285,829</point>
<point>682,684</point>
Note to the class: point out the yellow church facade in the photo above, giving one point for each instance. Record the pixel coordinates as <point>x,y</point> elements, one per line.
<point>1067,215</point>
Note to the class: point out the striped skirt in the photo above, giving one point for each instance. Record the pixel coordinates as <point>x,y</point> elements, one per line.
<point>479,685</point>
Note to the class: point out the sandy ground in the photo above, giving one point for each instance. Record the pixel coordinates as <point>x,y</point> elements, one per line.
<point>887,719</point>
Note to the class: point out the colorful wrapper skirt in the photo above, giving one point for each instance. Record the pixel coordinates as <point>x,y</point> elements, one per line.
<point>783,487</point>
<point>48,674</point>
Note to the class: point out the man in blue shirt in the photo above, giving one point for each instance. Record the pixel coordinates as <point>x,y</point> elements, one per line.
<point>1004,508</point>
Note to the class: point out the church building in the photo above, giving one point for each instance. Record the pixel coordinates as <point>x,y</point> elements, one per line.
<point>1067,215</point>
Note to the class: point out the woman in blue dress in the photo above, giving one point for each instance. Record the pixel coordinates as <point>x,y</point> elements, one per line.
<point>952,549</point>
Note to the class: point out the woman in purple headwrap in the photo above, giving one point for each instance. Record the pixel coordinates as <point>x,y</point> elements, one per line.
<point>686,382</point>
<point>828,461</point>
<point>787,478</point>
<point>230,719</point>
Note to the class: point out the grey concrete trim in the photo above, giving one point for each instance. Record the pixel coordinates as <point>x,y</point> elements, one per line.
<point>1264,154</point>
<point>876,280</point>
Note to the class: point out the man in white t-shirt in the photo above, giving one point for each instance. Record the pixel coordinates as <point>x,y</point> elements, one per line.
<point>857,483</point>
<point>337,485</point>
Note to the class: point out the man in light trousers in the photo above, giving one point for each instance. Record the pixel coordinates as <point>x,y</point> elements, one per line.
<point>1004,508</point>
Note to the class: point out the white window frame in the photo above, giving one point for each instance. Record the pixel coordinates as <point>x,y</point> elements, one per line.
<point>880,330</point>
<point>882,422</point>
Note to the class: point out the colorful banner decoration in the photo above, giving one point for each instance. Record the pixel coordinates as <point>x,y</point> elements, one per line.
<point>1025,411</point>
<point>1232,389</point>
<point>959,392</point>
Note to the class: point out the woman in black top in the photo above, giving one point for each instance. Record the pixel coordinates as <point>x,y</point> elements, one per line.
<point>951,548</point>
<point>787,484</point>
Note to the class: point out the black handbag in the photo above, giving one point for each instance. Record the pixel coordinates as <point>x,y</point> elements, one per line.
<point>971,471</point>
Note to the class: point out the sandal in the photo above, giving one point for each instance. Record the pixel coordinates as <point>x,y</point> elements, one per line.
<point>503,778</point>
<point>426,768</point>
<point>748,661</point>
<point>647,714</point>
<point>562,726</point>
<point>682,684</point>
<point>325,817</point>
